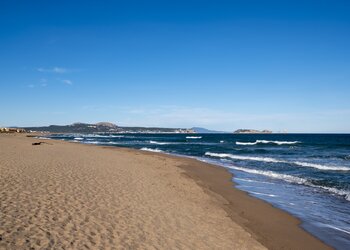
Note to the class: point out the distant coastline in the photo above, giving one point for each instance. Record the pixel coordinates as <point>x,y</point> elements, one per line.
<point>104,127</point>
<point>252,131</point>
<point>108,127</point>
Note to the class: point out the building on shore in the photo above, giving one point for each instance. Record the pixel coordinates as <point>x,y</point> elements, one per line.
<point>12,130</point>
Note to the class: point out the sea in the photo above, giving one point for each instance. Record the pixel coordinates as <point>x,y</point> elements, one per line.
<point>307,175</point>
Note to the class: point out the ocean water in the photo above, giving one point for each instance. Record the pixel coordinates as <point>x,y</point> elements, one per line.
<point>307,175</point>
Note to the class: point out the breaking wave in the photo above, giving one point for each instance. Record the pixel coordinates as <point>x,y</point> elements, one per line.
<point>249,180</point>
<point>193,137</point>
<point>239,157</point>
<point>293,179</point>
<point>103,136</point>
<point>322,167</point>
<point>273,160</point>
<point>159,143</point>
<point>271,174</point>
<point>152,150</point>
<point>267,142</point>
<point>93,142</point>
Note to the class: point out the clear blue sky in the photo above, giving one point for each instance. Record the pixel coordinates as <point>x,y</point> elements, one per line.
<point>280,65</point>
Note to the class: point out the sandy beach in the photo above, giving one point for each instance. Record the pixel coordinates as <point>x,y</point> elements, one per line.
<point>61,195</point>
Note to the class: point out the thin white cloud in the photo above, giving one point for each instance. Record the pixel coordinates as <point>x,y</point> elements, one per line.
<point>66,81</point>
<point>177,116</point>
<point>57,70</point>
<point>219,119</point>
<point>43,82</point>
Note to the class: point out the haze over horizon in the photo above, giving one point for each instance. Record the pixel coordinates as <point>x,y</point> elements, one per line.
<point>277,65</point>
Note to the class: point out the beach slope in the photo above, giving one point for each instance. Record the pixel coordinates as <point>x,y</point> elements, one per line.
<point>74,196</point>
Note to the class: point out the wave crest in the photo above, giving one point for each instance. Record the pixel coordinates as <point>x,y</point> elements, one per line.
<point>159,143</point>
<point>293,179</point>
<point>273,160</point>
<point>239,157</point>
<point>267,142</point>
<point>271,174</point>
<point>152,150</point>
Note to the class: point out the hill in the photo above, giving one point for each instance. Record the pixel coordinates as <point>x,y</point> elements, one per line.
<point>103,127</point>
<point>200,130</point>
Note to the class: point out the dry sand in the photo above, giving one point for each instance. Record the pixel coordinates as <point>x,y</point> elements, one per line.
<point>62,195</point>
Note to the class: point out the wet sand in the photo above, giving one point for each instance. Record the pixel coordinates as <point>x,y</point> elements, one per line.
<point>73,196</point>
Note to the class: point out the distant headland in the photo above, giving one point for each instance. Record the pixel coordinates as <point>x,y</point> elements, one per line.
<point>108,127</point>
<point>104,127</point>
<point>252,131</point>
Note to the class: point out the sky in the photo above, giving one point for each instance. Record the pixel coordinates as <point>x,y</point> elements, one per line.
<point>224,65</point>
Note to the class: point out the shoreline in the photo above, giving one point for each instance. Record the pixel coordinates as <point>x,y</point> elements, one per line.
<point>270,226</point>
<point>241,207</point>
<point>247,218</point>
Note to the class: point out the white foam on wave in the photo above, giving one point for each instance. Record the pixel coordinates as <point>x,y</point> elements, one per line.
<point>322,167</point>
<point>270,195</point>
<point>249,180</point>
<point>193,137</point>
<point>245,143</point>
<point>293,179</point>
<point>337,228</point>
<point>103,136</point>
<point>114,143</point>
<point>267,142</point>
<point>341,192</point>
<point>273,160</point>
<point>159,143</point>
<point>271,174</point>
<point>93,142</point>
<point>90,135</point>
<point>240,157</point>
<point>152,150</point>
<point>79,138</point>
